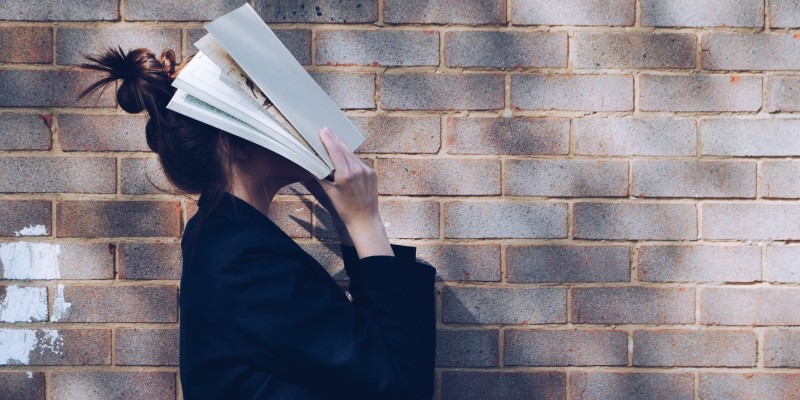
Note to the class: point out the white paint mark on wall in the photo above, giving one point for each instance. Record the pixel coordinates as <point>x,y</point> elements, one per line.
<point>60,307</point>
<point>16,345</point>
<point>30,260</point>
<point>30,375</point>
<point>32,230</point>
<point>24,304</point>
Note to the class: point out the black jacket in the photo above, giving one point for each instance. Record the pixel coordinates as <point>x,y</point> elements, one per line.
<point>261,319</point>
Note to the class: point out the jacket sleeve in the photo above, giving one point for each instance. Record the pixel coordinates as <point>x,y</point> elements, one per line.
<point>305,331</point>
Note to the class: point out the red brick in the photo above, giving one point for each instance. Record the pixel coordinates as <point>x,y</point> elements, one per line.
<point>146,347</point>
<point>76,218</point>
<point>150,261</point>
<point>348,90</point>
<point>58,174</point>
<point>778,179</point>
<point>750,137</point>
<point>635,221</point>
<point>71,43</point>
<point>520,135</point>
<point>22,385</point>
<point>723,386</point>
<point>490,305</point>
<point>385,134</point>
<point>632,305</point>
<point>45,260</point>
<point>26,44</point>
<point>144,176</point>
<point>631,385</point>
<point>505,219</point>
<point>465,384</point>
<point>468,12</point>
<point>402,219</point>
<point>750,51</point>
<point>634,50</point>
<point>86,260</point>
<point>401,91</point>
<point>378,47</point>
<point>25,131</point>
<point>47,88</point>
<point>699,93</point>
<point>297,41</point>
<point>59,346</point>
<point>573,12</point>
<point>56,10</point>
<point>748,221</point>
<point>569,92</point>
<point>750,306</point>
<point>492,49</point>
<point>102,132</point>
<point>634,136</point>
<point>340,11</point>
<point>782,348</point>
<point>120,304</point>
<point>442,176</point>
<point>783,93</point>
<point>162,10</point>
<point>16,215</point>
<point>537,264</point>
<point>566,178</point>
<point>694,179</point>
<point>693,348</point>
<point>330,256</point>
<point>711,263</point>
<point>680,13</point>
<point>782,264</point>
<point>96,385</point>
<point>293,217</point>
<point>469,262</point>
<point>467,347</point>
<point>564,347</point>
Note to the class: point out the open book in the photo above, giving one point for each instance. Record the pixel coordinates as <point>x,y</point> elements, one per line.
<point>245,82</point>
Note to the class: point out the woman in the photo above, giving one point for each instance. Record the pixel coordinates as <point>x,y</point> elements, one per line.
<point>260,318</point>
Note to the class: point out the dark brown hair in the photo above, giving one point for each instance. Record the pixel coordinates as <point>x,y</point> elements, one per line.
<point>189,150</point>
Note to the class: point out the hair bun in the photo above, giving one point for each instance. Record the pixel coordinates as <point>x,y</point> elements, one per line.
<point>168,61</point>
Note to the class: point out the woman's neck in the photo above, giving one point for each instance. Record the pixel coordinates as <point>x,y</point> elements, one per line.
<point>256,192</point>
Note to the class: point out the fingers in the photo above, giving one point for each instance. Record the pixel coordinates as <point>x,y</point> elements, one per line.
<point>335,151</point>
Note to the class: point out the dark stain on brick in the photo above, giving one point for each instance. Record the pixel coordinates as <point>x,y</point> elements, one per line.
<point>48,120</point>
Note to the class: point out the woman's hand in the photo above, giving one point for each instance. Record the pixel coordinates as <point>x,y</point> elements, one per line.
<point>354,197</point>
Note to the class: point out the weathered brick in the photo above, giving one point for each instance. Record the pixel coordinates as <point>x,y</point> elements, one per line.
<point>149,260</point>
<point>634,50</point>
<point>750,306</point>
<point>711,263</point>
<point>572,92</point>
<point>58,174</point>
<point>699,93</point>
<point>505,49</point>
<point>102,132</point>
<point>566,178</point>
<point>782,348</point>
<point>440,176</point>
<point>96,385</point>
<point>466,347</point>
<point>455,262</point>
<point>692,348</point>
<point>728,13</point>
<point>385,134</point>
<point>485,305</point>
<point>143,176</point>
<point>43,260</point>
<point>564,347</point>
<point>402,219</point>
<point>783,14</point>
<point>46,88</point>
<point>694,179</point>
<point>503,385</point>
<point>22,385</point>
<point>23,303</point>
<point>782,264</point>
<point>751,221</point>
<point>724,386</point>
<point>631,385</point>
<point>378,47</point>
<point>330,256</point>
<point>635,221</point>
<point>324,11</point>
<point>634,136</point>
<point>297,41</point>
<point>469,12</point>
<point>573,12</point>
<point>117,218</point>
<point>783,93</point>
<point>778,179</point>
<point>17,215</point>
<point>146,347</point>
<point>632,305</point>
<point>60,10</point>
<point>26,44</point>
<point>164,10</point>
<point>750,137</point>
<point>744,52</point>
<point>293,217</point>
<point>505,219</point>
<point>419,91</point>
<point>118,304</point>
<point>535,264</point>
<point>57,346</point>
<point>348,90</point>
<point>517,136</point>
<point>72,42</point>
<point>24,132</point>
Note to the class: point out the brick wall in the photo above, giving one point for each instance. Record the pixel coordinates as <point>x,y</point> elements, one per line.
<point>607,188</point>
